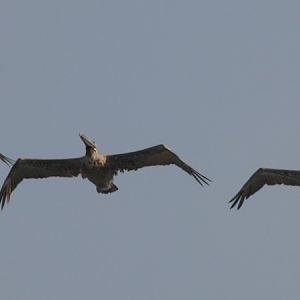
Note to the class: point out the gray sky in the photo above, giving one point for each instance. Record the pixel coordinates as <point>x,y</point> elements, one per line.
<point>218,82</point>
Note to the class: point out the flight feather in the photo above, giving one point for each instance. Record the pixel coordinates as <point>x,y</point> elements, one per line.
<point>153,156</point>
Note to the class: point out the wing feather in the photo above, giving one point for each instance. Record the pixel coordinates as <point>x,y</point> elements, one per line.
<point>158,155</point>
<point>37,168</point>
<point>6,159</point>
<point>260,178</point>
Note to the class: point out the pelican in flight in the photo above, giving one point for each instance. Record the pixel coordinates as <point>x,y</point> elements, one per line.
<point>260,178</point>
<point>5,159</point>
<point>99,168</point>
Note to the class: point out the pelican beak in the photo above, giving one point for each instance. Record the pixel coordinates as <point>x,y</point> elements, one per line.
<point>87,141</point>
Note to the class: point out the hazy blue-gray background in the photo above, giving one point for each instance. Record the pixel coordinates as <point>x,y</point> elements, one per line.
<point>218,82</point>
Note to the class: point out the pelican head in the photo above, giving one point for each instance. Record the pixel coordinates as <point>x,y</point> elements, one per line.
<point>89,143</point>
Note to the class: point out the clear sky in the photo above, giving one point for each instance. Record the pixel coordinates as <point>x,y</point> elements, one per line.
<point>216,81</point>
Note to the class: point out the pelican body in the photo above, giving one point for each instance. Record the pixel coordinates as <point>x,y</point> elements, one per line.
<point>98,168</point>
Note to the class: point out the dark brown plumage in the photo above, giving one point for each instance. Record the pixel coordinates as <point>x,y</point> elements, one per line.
<point>98,168</point>
<point>6,159</point>
<point>260,178</point>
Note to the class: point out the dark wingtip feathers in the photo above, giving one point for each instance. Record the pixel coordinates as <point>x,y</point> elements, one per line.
<point>238,200</point>
<point>4,194</point>
<point>200,178</point>
<point>6,160</point>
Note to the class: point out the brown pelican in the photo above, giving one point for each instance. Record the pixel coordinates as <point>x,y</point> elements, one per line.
<point>5,159</point>
<point>97,167</point>
<point>260,178</point>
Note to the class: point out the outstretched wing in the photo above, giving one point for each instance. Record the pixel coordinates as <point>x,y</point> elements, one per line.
<point>6,159</point>
<point>158,155</point>
<point>262,177</point>
<point>37,168</point>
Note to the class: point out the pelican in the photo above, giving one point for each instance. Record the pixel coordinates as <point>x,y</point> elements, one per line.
<point>261,177</point>
<point>98,168</point>
<point>5,159</point>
